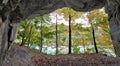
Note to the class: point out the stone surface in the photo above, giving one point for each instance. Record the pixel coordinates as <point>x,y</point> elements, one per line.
<point>31,8</point>
<point>113,10</point>
<point>22,56</point>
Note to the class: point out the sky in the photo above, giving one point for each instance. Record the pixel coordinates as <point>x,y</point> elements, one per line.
<point>60,19</point>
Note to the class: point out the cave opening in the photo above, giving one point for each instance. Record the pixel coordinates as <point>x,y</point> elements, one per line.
<point>52,31</point>
<point>13,11</point>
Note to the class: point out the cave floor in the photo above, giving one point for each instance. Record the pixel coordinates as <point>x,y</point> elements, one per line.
<point>23,56</point>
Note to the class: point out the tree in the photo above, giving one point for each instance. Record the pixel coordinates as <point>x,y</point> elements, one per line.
<point>42,20</point>
<point>70,42</point>
<point>94,37</point>
<point>71,15</point>
<point>31,31</point>
<point>25,33</point>
<point>95,44</point>
<point>41,39</point>
<point>99,22</point>
<point>56,35</point>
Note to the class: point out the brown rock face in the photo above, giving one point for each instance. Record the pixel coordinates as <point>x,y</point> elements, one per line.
<point>22,56</point>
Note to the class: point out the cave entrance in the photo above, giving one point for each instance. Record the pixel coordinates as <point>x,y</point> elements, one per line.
<point>13,11</point>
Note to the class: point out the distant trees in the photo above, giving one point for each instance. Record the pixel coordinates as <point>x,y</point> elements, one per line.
<point>31,31</point>
<point>40,34</point>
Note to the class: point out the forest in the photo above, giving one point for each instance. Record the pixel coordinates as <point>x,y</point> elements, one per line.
<point>66,31</point>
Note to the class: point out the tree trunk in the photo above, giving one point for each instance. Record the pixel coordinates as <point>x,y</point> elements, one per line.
<point>23,40</point>
<point>23,34</point>
<point>29,36</point>
<point>70,42</point>
<point>41,39</point>
<point>93,35</point>
<point>113,10</point>
<point>94,39</point>
<point>56,35</point>
<point>84,47</point>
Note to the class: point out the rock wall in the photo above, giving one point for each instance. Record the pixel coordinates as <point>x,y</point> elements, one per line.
<point>22,56</point>
<point>30,8</point>
<point>113,10</point>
